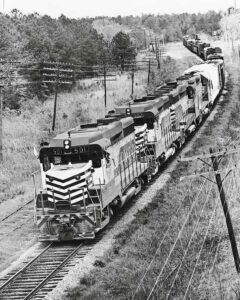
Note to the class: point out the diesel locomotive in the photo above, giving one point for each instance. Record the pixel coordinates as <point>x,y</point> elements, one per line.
<point>89,172</point>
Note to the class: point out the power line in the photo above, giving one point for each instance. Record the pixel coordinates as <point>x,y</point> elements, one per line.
<point>199,254</point>
<point>211,248</point>
<point>226,213</point>
<point>56,73</point>
<point>215,161</point>
<point>194,230</point>
<point>189,242</point>
<point>188,286</point>
<point>159,245</point>
<point>173,247</point>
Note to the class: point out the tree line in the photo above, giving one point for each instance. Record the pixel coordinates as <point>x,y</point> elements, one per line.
<point>171,26</point>
<point>38,38</point>
<point>34,37</point>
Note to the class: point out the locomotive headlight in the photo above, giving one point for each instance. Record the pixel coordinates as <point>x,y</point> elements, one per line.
<point>128,111</point>
<point>67,144</point>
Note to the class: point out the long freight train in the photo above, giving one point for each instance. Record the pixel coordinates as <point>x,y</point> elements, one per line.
<point>92,170</point>
<point>204,50</point>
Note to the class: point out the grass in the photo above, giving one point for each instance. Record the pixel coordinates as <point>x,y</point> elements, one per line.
<point>122,268</point>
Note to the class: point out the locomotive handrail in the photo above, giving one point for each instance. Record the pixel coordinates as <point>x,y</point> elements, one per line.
<point>33,174</point>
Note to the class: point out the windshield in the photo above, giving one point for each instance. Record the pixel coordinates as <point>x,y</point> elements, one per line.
<point>142,121</point>
<point>76,159</point>
<point>59,156</point>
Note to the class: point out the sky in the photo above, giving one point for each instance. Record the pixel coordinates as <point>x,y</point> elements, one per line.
<point>92,8</point>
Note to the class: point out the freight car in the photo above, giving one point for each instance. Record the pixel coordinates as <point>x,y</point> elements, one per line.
<point>204,50</point>
<point>92,170</point>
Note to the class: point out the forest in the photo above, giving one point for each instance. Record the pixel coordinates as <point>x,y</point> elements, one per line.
<point>86,42</point>
<point>35,38</point>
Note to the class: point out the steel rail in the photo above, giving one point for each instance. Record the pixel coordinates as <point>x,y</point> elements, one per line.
<point>58,268</point>
<point>17,210</point>
<point>10,280</point>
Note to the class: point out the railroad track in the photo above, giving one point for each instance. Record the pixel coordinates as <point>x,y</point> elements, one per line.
<point>42,274</point>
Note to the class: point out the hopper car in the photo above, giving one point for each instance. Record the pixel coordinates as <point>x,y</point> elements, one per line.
<point>204,50</point>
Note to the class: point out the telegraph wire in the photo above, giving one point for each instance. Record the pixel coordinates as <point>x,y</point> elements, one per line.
<point>210,222</point>
<point>216,158</point>
<point>199,254</point>
<point>190,240</point>
<point>153,288</point>
<point>167,228</point>
<point>215,258</point>
<point>210,251</point>
<point>215,165</point>
<point>195,229</point>
<point>209,255</point>
<point>174,245</point>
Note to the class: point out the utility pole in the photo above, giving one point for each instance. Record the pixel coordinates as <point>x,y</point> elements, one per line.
<point>157,53</point>
<point>55,98</point>
<point>105,86</point>
<point>145,39</point>
<point>214,167</point>
<point>132,77</point>
<point>163,40</point>
<point>1,130</point>
<point>57,74</point>
<point>102,72</point>
<point>159,57</point>
<point>227,215</point>
<point>149,70</point>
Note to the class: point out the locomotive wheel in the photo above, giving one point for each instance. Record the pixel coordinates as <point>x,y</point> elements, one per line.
<point>113,209</point>
<point>182,142</point>
<point>146,178</point>
<point>156,170</point>
<point>200,119</point>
